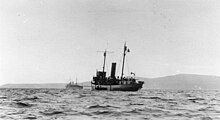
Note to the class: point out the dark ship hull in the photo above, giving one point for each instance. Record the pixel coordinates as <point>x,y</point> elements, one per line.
<point>111,83</point>
<point>128,87</point>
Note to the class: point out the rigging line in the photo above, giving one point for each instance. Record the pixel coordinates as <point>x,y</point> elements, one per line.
<point>107,70</point>
<point>127,66</point>
<point>107,45</point>
<point>119,66</point>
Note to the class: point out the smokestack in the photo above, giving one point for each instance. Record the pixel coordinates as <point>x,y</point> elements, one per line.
<point>113,69</point>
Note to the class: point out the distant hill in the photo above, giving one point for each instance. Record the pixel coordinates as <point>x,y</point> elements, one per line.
<point>179,81</point>
<point>183,81</point>
<point>43,85</point>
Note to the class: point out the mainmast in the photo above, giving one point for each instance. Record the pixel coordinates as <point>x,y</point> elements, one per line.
<point>104,61</point>
<point>125,51</point>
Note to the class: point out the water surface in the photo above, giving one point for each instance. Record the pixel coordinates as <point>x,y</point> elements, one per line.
<point>85,104</point>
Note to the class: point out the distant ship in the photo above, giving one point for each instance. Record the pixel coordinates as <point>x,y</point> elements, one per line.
<point>74,86</point>
<point>113,83</point>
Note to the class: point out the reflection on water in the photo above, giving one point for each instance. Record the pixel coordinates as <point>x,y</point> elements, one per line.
<point>86,104</point>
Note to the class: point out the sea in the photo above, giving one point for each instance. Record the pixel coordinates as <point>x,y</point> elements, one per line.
<point>62,104</point>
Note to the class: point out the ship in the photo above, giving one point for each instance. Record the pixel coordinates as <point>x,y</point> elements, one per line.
<point>112,83</point>
<point>74,86</point>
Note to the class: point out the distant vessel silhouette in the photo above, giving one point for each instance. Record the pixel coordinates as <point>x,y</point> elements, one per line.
<point>111,83</point>
<point>74,86</point>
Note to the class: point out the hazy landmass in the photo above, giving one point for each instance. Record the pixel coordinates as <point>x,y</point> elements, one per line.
<point>180,81</point>
<point>183,81</point>
<point>43,85</point>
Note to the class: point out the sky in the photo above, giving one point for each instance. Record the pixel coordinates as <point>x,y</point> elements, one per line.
<point>55,41</point>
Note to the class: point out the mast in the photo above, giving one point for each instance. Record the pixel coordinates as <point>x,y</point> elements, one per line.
<point>125,50</point>
<point>76,80</point>
<point>105,53</point>
<point>104,61</point>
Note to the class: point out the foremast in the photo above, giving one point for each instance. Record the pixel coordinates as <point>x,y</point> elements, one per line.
<point>104,61</point>
<point>103,68</point>
<point>126,50</point>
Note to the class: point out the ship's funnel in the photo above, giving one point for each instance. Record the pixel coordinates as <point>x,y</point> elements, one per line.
<point>113,69</point>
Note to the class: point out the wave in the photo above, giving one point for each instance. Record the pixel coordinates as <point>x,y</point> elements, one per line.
<point>157,98</point>
<point>3,97</point>
<point>51,112</point>
<point>21,104</point>
<point>101,106</point>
